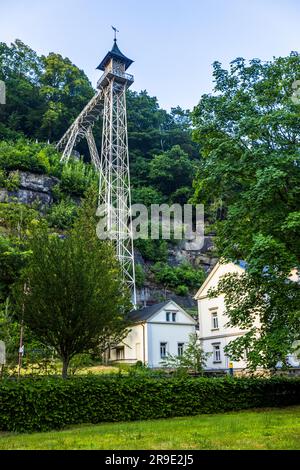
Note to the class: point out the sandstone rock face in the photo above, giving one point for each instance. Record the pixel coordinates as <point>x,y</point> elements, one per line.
<point>38,183</point>
<point>33,187</point>
<point>25,196</point>
<point>3,195</point>
<point>203,257</point>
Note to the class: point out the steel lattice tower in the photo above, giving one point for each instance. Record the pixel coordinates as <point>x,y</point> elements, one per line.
<point>113,166</point>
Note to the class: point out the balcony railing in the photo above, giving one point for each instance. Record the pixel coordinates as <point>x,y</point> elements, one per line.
<point>117,73</point>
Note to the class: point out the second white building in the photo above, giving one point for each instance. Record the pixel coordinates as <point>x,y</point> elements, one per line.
<point>157,330</point>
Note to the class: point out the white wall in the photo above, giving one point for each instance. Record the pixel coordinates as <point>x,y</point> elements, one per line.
<point>172,334</point>
<point>224,334</point>
<point>181,317</point>
<point>133,345</point>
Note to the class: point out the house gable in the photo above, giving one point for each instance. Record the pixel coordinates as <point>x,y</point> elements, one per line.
<point>182,317</point>
<point>212,280</point>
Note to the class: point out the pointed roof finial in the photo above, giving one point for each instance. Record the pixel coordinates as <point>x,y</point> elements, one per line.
<point>116,31</point>
<point>115,53</point>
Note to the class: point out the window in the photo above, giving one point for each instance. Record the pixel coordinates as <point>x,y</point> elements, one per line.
<point>120,353</point>
<point>215,321</point>
<point>163,350</point>
<point>168,316</point>
<point>180,349</point>
<point>217,352</point>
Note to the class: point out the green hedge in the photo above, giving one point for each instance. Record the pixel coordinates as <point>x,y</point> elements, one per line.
<point>43,404</point>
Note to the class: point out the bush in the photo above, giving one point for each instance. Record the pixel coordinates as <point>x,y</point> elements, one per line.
<point>139,276</point>
<point>62,214</point>
<point>152,250</point>
<point>24,156</point>
<point>11,181</point>
<point>76,177</point>
<point>182,278</point>
<point>182,290</point>
<point>52,403</point>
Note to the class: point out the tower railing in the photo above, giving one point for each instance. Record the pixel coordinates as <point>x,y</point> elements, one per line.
<point>117,73</point>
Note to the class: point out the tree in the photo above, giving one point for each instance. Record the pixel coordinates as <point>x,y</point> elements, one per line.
<point>16,221</point>
<point>147,196</point>
<point>274,300</point>
<point>249,181</point>
<point>171,170</point>
<point>192,359</point>
<point>76,300</point>
<point>145,124</point>
<point>152,250</point>
<point>139,276</point>
<point>183,278</point>
<point>44,93</point>
<point>152,131</point>
<point>66,90</point>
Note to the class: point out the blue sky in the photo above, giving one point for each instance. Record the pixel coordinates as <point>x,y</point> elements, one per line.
<point>172,42</point>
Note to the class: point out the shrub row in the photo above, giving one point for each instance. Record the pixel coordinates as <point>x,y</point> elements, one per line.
<point>48,403</point>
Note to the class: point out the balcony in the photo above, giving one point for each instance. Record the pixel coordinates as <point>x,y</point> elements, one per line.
<point>120,77</point>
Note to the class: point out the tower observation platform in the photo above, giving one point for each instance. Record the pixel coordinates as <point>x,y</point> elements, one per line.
<point>114,66</point>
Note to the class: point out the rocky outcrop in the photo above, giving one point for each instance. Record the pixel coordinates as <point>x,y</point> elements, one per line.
<point>37,183</point>
<point>151,295</point>
<point>203,257</point>
<point>32,188</point>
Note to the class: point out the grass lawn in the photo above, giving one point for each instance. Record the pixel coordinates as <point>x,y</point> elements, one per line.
<point>255,429</point>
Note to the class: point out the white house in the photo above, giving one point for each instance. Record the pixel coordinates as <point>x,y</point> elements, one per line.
<point>157,330</point>
<point>213,332</point>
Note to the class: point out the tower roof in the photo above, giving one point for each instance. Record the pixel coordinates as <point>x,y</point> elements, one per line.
<point>115,53</point>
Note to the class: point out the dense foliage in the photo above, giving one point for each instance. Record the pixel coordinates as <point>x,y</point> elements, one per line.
<point>23,155</point>
<point>249,181</point>
<point>178,277</point>
<point>16,223</point>
<point>43,404</point>
<point>44,94</point>
<point>248,177</point>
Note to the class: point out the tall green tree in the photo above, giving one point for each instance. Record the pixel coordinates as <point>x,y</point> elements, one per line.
<point>172,170</point>
<point>20,69</point>
<point>75,299</point>
<point>153,131</point>
<point>249,181</point>
<point>66,90</point>
<point>16,222</point>
<point>44,93</point>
